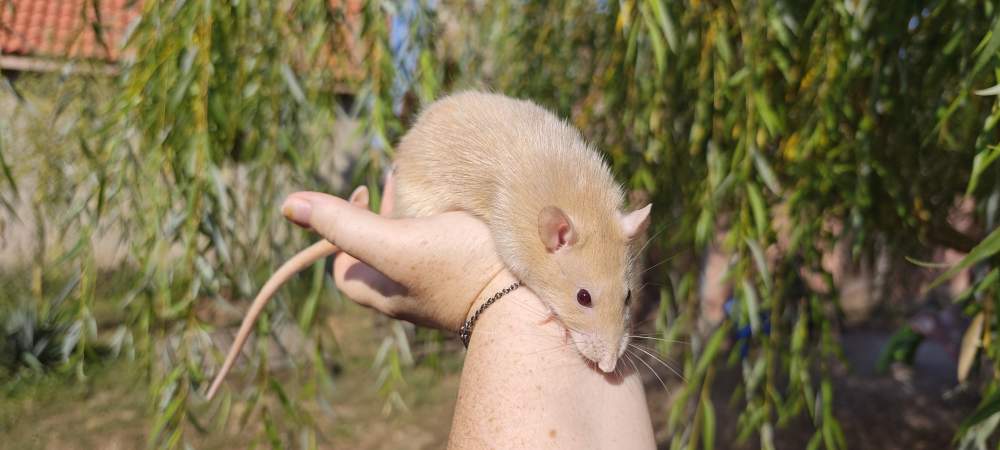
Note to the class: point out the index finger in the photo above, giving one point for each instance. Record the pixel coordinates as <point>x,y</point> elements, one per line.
<point>357,231</point>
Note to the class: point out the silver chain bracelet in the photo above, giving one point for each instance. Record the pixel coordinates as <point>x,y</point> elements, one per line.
<point>465,333</point>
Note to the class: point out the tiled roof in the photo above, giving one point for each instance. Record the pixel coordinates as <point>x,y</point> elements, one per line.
<point>37,35</point>
<point>65,28</point>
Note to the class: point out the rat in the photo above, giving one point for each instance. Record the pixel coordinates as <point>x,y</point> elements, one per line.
<point>549,199</point>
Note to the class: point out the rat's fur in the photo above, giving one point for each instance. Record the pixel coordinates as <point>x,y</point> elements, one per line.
<point>505,160</point>
<point>550,201</point>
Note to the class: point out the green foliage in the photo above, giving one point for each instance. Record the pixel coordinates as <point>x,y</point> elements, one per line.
<point>731,118</point>
<point>231,114</point>
<point>31,342</point>
<point>902,347</point>
<point>835,112</point>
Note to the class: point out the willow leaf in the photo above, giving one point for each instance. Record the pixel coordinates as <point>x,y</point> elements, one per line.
<point>985,249</point>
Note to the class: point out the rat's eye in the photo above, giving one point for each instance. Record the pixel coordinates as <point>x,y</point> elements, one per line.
<point>583,297</point>
<point>628,297</point>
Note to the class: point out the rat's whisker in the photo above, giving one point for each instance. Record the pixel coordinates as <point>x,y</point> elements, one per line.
<point>665,260</point>
<point>638,325</point>
<point>650,240</point>
<point>632,358</point>
<point>654,374</point>
<point>548,349</point>
<point>541,312</point>
<point>653,354</point>
<point>657,358</point>
<point>631,361</point>
<point>569,328</point>
<point>626,359</point>
<point>654,338</point>
<point>575,363</point>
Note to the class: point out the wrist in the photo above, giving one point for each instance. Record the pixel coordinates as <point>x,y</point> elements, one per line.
<point>465,332</point>
<point>502,279</point>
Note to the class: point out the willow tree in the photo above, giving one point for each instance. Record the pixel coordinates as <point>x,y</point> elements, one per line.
<point>853,112</point>
<point>216,112</point>
<point>229,105</point>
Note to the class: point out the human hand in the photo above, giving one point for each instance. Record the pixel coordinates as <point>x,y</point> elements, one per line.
<point>428,271</point>
<point>523,383</point>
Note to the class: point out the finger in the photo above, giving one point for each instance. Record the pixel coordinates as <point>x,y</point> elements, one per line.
<point>455,247</point>
<point>365,285</point>
<point>453,244</point>
<point>388,194</point>
<point>380,242</point>
<point>357,280</point>
<point>360,197</point>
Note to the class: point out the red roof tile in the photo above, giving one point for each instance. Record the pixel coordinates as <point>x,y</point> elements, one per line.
<point>64,28</point>
<point>36,34</point>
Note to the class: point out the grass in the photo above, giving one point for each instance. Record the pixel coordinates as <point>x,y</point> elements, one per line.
<point>109,408</point>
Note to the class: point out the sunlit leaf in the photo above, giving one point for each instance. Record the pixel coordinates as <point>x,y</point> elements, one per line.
<point>766,173</point>
<point>982,161</point>
<point>666,22</point>
<point>971,341</point>
<point>995,90</point>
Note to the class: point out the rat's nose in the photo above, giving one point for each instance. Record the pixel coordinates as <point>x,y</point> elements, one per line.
<point>608,363</point>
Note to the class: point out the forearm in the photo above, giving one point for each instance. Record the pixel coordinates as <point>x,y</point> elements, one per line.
<point>525,386</point>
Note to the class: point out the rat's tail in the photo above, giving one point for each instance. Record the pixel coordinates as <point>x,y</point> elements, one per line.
<point>300,261</point>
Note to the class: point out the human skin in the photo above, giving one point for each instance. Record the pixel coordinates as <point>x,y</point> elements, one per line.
<point>523,384</point>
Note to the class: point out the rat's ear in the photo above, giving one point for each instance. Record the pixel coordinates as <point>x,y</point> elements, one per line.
<point>635,222</point>
<point>555,229</point>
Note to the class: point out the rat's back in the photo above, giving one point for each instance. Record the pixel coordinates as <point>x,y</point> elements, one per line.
<point>493,155</point>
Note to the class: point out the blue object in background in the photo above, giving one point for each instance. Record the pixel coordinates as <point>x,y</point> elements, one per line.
<point>409,24</point>
<point>743,334</point>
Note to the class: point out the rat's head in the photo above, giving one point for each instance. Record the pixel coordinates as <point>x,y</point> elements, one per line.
<point>589,277</point>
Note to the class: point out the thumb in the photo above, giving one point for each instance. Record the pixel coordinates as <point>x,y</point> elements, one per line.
<point>373,239</point>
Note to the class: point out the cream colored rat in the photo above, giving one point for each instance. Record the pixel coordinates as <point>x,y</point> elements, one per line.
<point>549,200</point>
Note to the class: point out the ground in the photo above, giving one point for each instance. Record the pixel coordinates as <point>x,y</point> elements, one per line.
<point>109,411</point>
<point>876,411</point>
